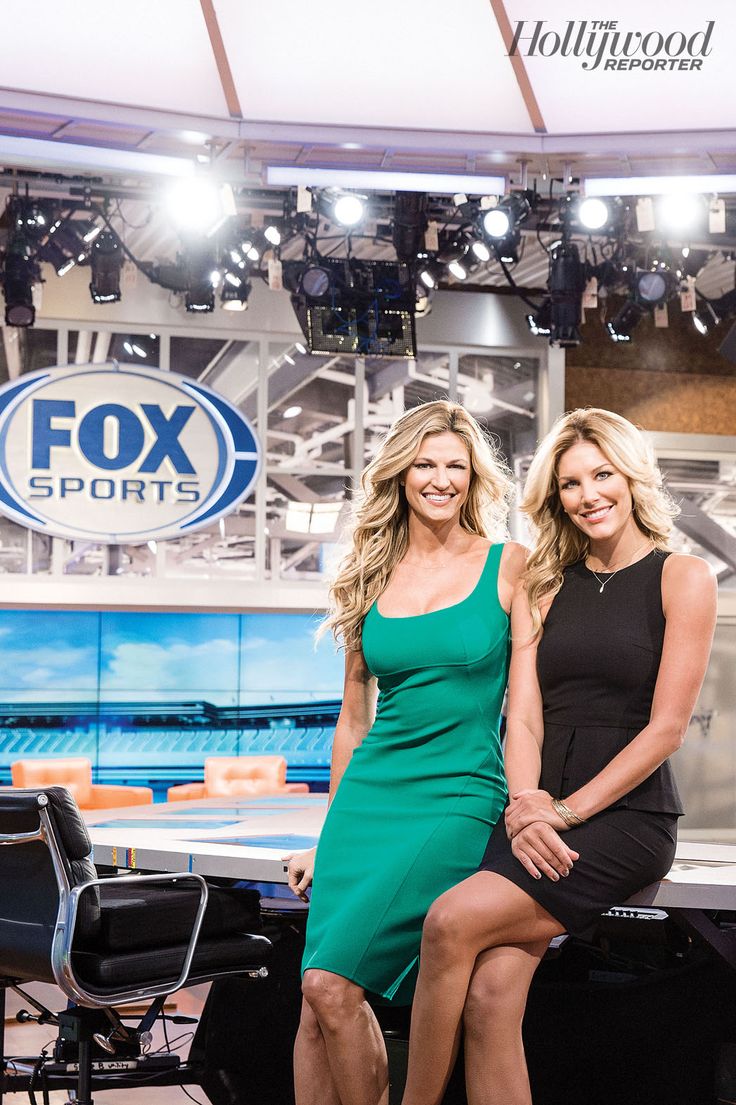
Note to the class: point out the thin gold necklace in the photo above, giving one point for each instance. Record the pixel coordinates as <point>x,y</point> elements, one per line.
<point>610,575</point>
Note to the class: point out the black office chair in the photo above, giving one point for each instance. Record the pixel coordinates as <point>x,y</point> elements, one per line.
<point>105,942</point>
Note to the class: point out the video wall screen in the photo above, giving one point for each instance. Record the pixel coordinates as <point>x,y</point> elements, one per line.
<point>147,695</point>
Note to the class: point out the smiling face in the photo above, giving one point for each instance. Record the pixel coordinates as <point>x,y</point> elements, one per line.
<point>594,493</point>
<point>438,480</point>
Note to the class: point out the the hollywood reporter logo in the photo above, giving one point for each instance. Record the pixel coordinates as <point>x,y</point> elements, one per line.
<point>601,45</point>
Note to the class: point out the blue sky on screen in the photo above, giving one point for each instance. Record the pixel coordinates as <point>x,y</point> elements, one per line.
<point>269,658</point>
<point>278,657</point>
<point>47,655</point>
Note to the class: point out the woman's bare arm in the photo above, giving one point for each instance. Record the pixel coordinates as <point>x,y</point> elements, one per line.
<point>356,717</point>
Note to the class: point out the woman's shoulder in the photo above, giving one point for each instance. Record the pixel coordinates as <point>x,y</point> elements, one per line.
<point>512,565</point>
<point>689,586</point>
<point>686,570</point>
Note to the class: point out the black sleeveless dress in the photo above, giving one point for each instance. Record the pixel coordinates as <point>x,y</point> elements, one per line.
<point>597,663</point>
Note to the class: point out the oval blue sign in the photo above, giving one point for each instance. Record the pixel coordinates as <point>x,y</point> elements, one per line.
<point>121,454</point>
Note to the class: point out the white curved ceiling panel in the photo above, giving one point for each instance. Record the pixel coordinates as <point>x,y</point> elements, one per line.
<point>143,53</point>
<point>603,101</point>
<point>420,64</point>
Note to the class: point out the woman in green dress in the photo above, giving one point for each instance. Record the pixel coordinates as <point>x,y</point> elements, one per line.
<point>421,605</point>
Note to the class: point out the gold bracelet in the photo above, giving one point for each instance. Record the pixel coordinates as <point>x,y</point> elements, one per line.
<point>569,816</point>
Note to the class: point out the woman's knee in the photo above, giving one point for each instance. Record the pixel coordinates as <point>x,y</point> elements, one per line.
<point>329,996</point>
<point>449,927</point>
<point>308,1023</point>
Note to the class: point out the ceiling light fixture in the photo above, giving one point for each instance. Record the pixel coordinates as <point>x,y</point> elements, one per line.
<point>680,211</point>
<point>349,210</point>
<point>47,154</point>
<point>593,213</point>
<point>234,297</point>
<point>379,180</point>
<point>106,262</point>
<point>620,326</point>
<point>566,282</point>
<point>200,205</point>
<point>19,274</point>
<point>659,185</point>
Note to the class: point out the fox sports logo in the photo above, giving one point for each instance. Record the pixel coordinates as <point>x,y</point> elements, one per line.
<point>121,454</point>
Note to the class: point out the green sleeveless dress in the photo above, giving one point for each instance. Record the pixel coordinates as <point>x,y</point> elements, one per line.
<point>414,808</point>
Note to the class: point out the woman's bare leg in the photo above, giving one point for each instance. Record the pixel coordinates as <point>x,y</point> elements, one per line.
<point>313,1082</point>
<point>355,1049</point>
<point>495,1067</point>
<point>483,912</point>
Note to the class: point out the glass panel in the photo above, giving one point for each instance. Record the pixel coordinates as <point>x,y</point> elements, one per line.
<point>705,488</point>
<point>705,766</point>
<point>195,357</point>
<point>428,378</point>
<point>223,550</point>
<point>13,546</point>
<point>305,514</point>
<point>311,409</point>
<point>502,393</point>
<point>143,349</point>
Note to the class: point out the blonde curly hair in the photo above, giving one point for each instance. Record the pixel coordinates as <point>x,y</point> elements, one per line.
<point>380,525</point>
<point>559,542</point>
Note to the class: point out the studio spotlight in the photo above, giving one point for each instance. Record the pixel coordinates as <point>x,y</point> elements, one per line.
<point>69,241</point>
<point>409,224</point>
<point>651,289</point>
<point>348,209</point>
<point>429,274</point>
<point>540,323</point>
<point>680,211</point>
<point>20,273</point>
<point>481,251</point>
<point>31,218</point>
<point>106,260</point>
<point>56,257</point>
<point>620,326</point>
<point>499,222</point>
<point>315,282</point>
<point>234,296</point>
<point>593,213</point>
<point>705,318</point>
<point>199,205</point>
<point>453,245</point>
<point>458,270</point>
<point>565,284</point>
<point>202,277</point>
<point>272,234</point>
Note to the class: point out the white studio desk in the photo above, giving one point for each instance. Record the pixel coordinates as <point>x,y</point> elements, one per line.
<point>244,839</point>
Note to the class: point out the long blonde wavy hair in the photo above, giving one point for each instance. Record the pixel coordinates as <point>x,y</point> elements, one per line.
<point>559,541</point>
<point>380,524</point>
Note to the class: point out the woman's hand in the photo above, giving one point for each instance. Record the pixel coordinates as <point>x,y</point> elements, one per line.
<point>301,872</point>
<point>542,851</point>
<point>527,806</point>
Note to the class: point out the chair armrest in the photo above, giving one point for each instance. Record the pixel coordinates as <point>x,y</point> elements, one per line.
<point>61,953</point>
<point>106,795</point>
<point>182,792</point>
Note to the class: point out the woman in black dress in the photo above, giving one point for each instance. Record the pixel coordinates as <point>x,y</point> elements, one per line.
<point>611,639</point>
